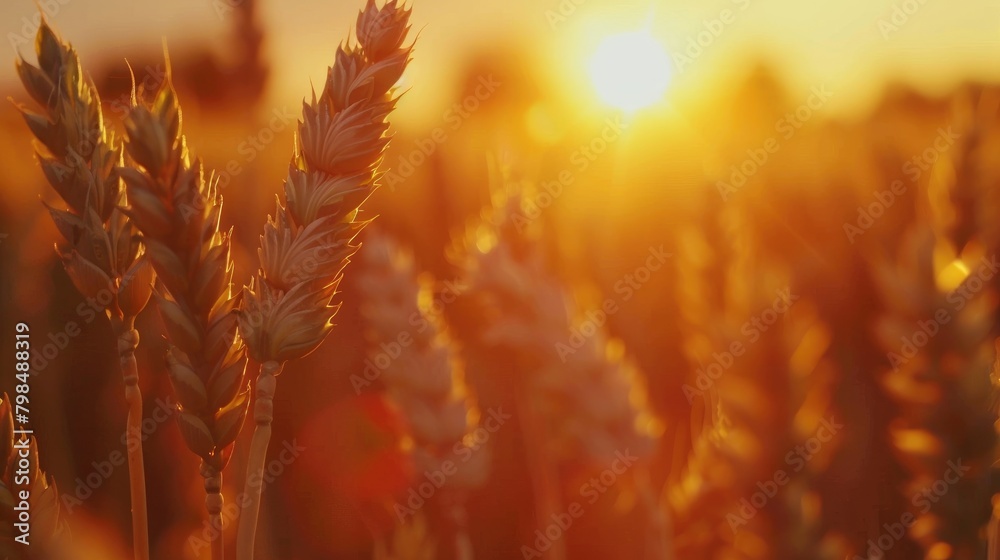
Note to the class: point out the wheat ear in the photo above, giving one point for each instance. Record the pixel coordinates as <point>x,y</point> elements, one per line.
<point>103,256</point>
<point>426,379</point>
<point>177,210</point>
<point>287,308</point>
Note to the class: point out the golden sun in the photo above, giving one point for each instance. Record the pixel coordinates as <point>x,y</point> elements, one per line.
<point>630,70</point>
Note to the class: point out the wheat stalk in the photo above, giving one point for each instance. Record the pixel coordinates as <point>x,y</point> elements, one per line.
<point>947,412</point>
<point>425,380</point>
<point>944,388</point>
<point>502,270</point>
<point>974,202</point>
<point>102,253</point>
<point>287,308</point>
<point>177,210</point>
<point>771,400</point>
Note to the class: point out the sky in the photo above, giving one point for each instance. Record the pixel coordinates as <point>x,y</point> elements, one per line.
<point>852,46</point>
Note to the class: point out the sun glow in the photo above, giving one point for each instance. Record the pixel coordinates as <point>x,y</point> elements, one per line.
<point>630,70</point>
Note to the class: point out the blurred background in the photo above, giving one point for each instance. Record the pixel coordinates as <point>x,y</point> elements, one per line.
<point>638,109</point>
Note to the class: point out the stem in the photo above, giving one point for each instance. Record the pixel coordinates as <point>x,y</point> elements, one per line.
<point>263,413</point>
<point>128,340</point>
<point>544,476</point>
<point>213,504</point>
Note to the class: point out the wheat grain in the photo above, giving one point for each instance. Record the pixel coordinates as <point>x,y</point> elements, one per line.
<point>102,253</point>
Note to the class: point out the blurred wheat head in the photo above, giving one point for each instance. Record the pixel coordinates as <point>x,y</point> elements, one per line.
<point>592,396</point>
<point>947,418</point>
<point>581,408</point>
<point>426,379</point>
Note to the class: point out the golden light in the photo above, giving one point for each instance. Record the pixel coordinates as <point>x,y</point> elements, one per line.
<point>630,70</point>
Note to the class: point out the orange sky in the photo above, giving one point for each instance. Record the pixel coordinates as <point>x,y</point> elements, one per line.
<point>841,44</point>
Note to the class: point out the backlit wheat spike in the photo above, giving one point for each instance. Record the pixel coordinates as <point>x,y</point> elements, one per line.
<point>102,255</point>
<point>582,400</point>
<point>938,336</point>
<point>425,380</point>
<point>288,306</point>
<point>47,528</point>
<point>308,242</point>
<point>177,210</point>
